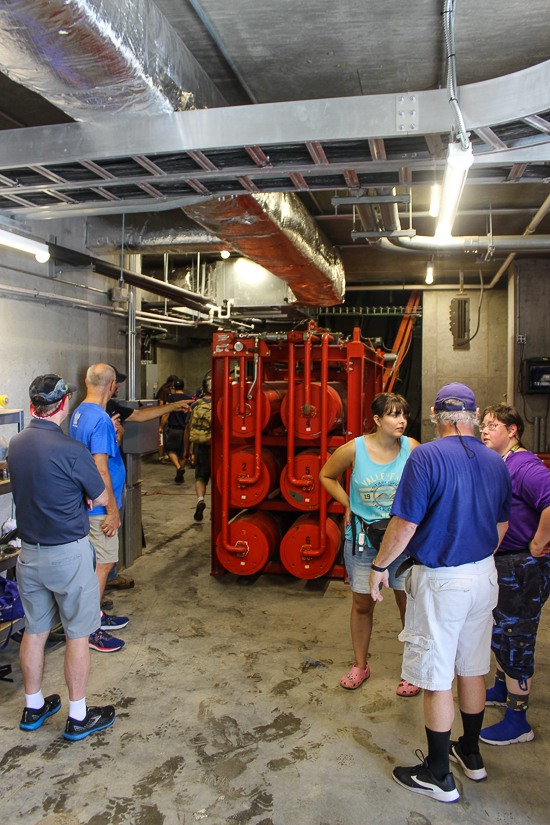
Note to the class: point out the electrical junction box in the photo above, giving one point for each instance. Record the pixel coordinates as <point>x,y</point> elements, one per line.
<point>537,375</point>
<point>459,322</point>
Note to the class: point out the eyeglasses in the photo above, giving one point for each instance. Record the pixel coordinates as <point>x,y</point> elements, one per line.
<point>491,426</point>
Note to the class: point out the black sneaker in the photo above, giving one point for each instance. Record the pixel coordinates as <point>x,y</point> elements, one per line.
<point>421,780</point>
<point>180,474</point>
<point>472,765</point>
<point>95,719</point>
<point>32,718</point>
<point>201,506</point>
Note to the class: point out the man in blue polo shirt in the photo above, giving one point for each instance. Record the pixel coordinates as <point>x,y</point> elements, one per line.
<point>91,425</point>
<point>54,480</point>
<point>450,514</point>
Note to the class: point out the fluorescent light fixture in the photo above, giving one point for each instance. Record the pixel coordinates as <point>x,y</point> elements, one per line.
<point>435,200</point>
<point>224,253</point>
<point>249,270</point>
<point>459,161</point>
<point>39,250</point>
<point>430,274</point>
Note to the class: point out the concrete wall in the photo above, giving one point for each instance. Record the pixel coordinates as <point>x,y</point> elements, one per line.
<point>529,289</point>
<point>483,367</point>
<point>41,337</point>
<point>191,364</point>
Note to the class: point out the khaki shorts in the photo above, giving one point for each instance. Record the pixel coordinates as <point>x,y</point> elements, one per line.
<point>448,623</point>
<point>106,547</point>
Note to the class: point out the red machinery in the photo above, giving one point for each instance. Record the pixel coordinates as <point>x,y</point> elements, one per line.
<point>322,387</point>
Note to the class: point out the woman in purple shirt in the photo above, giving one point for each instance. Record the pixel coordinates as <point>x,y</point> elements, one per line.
<point>523,575</point>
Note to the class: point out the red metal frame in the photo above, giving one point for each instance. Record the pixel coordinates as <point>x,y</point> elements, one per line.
<point>319,358</point>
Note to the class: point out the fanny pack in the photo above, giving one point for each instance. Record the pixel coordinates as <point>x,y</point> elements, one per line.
<point>374,532</point>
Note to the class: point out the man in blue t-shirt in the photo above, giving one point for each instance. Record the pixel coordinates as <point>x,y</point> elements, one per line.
<point>450,513</point>
<point>91,425</point>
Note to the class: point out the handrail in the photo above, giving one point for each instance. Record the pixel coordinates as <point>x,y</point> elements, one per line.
<point>305,483</point>
<point>247,481</point>
<point>241,547</point>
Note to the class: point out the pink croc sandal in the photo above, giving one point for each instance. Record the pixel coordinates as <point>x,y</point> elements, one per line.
<point>355,677</point>
<point>405,688</point>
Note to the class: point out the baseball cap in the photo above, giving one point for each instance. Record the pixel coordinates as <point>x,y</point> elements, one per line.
<point>461,393</point>
<point>119,376</point>
<point>47,389</point>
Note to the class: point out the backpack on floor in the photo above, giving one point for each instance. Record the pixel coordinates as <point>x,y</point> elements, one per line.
<point>200,423</point>
<point>11,607</point>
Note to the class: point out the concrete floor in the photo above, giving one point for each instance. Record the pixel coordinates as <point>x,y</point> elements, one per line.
<point>229,709</point>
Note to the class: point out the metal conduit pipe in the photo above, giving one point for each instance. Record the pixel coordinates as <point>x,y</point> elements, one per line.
<point>468,243</point>
<point>528,231</point>
<point>52,298</point>
<point>183,297</point>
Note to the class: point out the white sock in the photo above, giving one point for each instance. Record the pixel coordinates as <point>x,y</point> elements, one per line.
<point>201,498</point>
<point>35,701</point>
<point>77,710</point>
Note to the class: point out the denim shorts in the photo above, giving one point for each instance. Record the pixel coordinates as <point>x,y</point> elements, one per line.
<point>448,623</point>
<point>358,568</point>
<point>59,582</point>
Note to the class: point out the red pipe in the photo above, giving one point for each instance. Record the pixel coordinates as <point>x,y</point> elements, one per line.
<point>242,388</point>
<point>296,482</point>
<point>241,546</point>
<point>307,409</point>
<point>258,430</point>
<point>309,552</point>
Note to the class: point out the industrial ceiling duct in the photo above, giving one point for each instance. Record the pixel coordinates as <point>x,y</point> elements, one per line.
<point>276,231</point>
<point>96,57</point>
<point>155,233</point>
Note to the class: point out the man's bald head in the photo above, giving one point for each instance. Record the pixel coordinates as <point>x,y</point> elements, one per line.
<point>100,376</point>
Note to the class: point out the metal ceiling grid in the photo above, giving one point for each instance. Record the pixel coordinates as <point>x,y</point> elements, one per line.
<point>169,161</point>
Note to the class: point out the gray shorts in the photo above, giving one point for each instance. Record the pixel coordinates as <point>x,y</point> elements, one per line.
<point>59,583</point>
<point>106,547</point>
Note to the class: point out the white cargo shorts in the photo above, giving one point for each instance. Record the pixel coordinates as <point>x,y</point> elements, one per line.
<point>448,623</point>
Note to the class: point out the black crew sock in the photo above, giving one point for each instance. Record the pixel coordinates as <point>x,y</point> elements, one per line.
<point>469,741</point>
<point>438,752</point>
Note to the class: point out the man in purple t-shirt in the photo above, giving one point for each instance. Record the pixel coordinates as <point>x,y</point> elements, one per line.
<point>523,575</point>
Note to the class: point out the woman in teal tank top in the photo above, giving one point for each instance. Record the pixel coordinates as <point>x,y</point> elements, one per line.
<point>377,461</point>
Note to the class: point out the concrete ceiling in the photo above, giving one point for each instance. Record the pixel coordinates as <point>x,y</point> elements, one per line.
<point>282,50</point>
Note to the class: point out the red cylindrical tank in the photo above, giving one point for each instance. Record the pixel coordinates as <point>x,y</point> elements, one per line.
<point>260,534</point>
<point>309,426</point>
<point>244,425</point>
<point>306,467</point>
<point>242,464</point>
<point>303,539</point>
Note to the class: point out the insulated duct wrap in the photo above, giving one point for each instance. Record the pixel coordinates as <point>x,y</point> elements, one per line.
<point>276,231</point>
<point>171,232</point>
<point>92,57</point>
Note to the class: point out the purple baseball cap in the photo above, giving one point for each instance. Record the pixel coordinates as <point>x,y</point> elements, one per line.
<point>461,392</point>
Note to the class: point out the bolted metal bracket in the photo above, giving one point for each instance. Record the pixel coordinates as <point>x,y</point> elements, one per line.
<point>406,112</point>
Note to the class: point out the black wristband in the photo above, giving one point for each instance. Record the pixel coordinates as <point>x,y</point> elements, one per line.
<point>378,569</point>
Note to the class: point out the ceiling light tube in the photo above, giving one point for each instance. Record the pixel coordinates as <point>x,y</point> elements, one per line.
<point>459,161</point>
<point>40,250</point>
<point>435,200</point>
<point>430,273</point>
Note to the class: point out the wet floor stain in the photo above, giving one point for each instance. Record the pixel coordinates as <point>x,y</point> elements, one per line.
<point>363,737</point>
<point>126,702</point>
<point>378,703</point>
<point>282,688</point>
<point>162,775</point>
<point>86,767</point>
<point>12,758</point>
<point>54,748</point>
<point>124,811</point>
<point>415,818</point>
<point>260,803</point>
<point>313,663</point>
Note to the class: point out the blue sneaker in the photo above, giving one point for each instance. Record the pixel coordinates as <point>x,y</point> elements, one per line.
<point>496,695</point>
<point>104,642</point>
<point>113,622</point>
<point>32,718</point>
<point>512,729</point>
<point>95,719</point>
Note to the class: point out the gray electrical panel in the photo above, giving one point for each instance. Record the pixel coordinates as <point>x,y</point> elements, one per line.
<point>459,317</point>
